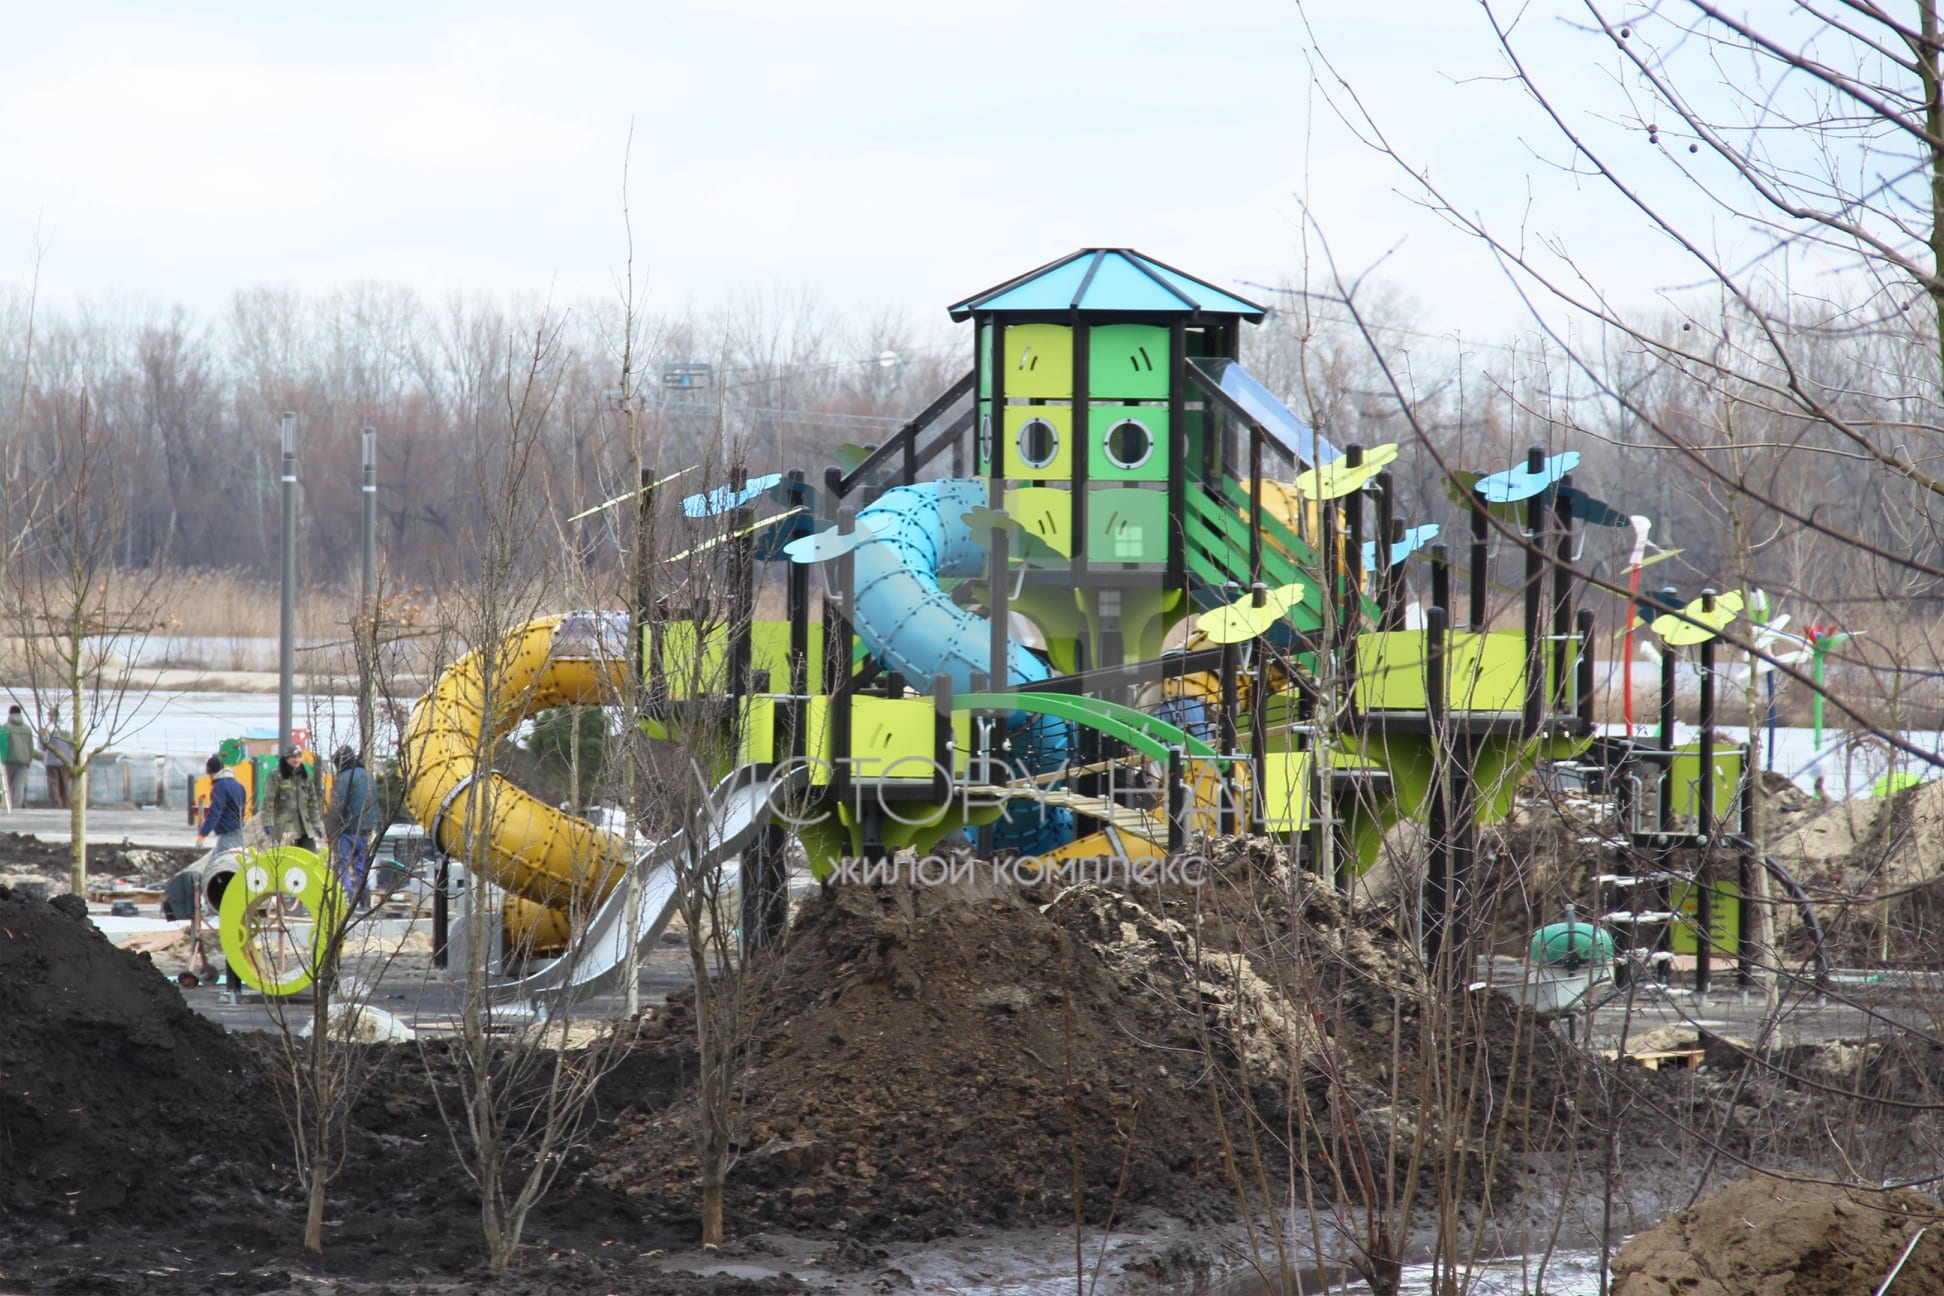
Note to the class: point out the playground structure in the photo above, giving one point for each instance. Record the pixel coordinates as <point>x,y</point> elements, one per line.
<point>1223,599</point>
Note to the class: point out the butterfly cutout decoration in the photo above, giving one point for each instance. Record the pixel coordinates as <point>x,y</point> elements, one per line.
<point>724,498</point>
<point>1593,512</point>
<point>1520,482</point>
<point>1242,620</point>
<point>1694,625</point>
<point>1337,478</point>
<point>831,542</point>
<point>1414,539</point>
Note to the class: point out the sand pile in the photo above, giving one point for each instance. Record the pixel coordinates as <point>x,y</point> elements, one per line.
<point>116,1101</point>
<point>1779,1238</point>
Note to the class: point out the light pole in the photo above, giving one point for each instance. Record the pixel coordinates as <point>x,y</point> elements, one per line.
<point>287,613</point>
<point>368,600</point>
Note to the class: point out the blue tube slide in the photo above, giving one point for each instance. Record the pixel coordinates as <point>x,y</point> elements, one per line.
<point>915,629</point>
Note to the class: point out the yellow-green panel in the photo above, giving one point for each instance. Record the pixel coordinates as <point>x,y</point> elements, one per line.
<point>1390,671</point>
<point>690,672</point>
<point>1484,672</point>
<point>769,650</point>
<point>757,744</point>
<point>1039,361</point>
<point>1488,671</point>
<point>1127,442</point>
<point>893,739</point>
<point>1045,513</point>
<point>816,740</point>
<point>1724,919</point>
<point>1128,362</point>
<point>1127,524</point>
<point>1039,442</point>
<point>1285,791</point>
<point>1684,779</point>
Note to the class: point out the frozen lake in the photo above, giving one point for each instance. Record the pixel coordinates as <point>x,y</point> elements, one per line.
<point>194,724</point>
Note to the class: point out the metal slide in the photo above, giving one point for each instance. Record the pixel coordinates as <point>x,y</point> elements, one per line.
<point>724,827</point>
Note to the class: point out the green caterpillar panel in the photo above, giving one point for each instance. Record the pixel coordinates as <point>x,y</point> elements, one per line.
<point>1128,362</point>
<point>1127,442</point>
<point>1039,442</point>
<point>1127,524</point>
<point>1039,361</point>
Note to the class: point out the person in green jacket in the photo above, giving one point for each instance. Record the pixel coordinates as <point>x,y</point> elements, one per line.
<point>296,810</point>
<point>20,755</point>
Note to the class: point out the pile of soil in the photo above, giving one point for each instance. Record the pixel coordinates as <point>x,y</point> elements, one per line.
<point>932,1057</point>
<point>1782,1238</point>
<point>928,1059</point>
<point>26,854</point>
<point>117,1103</point>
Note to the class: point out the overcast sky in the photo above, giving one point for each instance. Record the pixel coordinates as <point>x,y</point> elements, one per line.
<point>884,154</point>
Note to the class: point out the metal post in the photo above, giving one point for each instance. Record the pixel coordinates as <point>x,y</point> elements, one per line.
<point>368,607</point>
<point>1704,803</point>
<point>1434,907</point>
<point>287,613</point>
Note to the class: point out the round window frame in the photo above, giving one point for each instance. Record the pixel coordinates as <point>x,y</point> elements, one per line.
<point>1107,445</point>
<point>1053,444</point>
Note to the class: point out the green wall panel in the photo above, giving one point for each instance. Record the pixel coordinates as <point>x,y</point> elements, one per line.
<point>1102,453</point>
<point>1128,362</point>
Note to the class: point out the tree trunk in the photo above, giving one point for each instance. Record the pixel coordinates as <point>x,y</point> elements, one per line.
<point>78,827</point>
<point>712,1177</point>
<point>314,1217</point>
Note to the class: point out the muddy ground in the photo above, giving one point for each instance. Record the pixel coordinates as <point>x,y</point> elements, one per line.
<point>923,1064</point>
<point>24,856</point>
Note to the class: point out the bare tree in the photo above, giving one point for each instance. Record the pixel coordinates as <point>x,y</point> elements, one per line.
<point>81,619</point>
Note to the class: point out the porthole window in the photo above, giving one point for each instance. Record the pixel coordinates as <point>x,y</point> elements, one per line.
<point>985,440</point>
<point>1038,443</point>
<point>1129,444</point>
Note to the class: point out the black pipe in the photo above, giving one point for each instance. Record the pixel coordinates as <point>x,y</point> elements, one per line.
<point>1705,814</point>
<point>1562,595</point>
<point>1435,906</point>
<point>1480,560</point>
<point>1538,509</point>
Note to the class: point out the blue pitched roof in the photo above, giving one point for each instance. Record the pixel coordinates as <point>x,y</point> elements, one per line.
<point>1107,280</point>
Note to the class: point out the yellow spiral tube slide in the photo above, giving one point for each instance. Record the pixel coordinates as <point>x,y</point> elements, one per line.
<point>536,852</point>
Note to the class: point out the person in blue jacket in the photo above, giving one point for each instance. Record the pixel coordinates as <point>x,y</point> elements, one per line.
<point>351,820</point>
<point>227,804</point>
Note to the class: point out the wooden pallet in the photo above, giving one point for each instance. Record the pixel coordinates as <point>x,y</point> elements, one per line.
<point>1668,1059</point>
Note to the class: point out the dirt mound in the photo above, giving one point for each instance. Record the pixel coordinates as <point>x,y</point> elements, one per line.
<point>115,1099</point>
<point>931,1059</point>
<point>1778,1238</point>
<point>24,853</point>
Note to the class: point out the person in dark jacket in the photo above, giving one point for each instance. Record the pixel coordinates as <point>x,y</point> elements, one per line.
<point>352,821</point>
<point>58,750</point>
<point>20,754</point>
<point>228,803</point>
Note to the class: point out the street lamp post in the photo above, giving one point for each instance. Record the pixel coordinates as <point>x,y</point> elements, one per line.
<point>287,612</point>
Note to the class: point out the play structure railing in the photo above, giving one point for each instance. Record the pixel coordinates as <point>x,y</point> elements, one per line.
<point>903,445</point>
